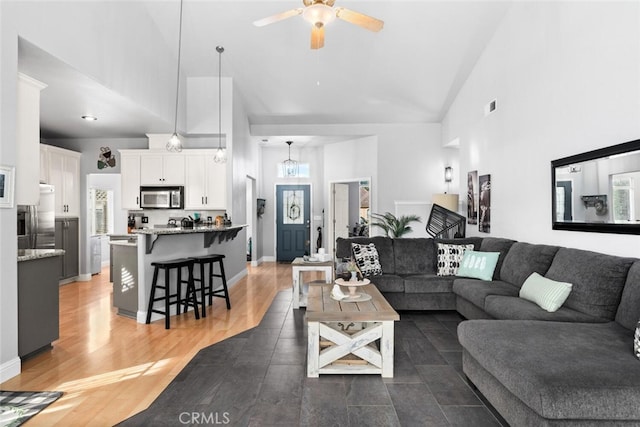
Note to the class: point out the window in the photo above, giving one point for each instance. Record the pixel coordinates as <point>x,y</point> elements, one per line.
<point>303,171</point>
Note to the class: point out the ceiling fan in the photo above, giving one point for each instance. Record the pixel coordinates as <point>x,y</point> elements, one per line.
<point>321,12</point>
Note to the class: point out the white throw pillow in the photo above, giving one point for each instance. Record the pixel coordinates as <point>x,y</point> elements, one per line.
<point>547,293</point>
<point>367,259</point>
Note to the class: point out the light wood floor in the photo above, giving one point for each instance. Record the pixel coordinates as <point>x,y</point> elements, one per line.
<point>110,367</point>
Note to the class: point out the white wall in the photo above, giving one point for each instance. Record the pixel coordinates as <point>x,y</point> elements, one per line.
<point>566,77</point>
<point>9,360</point>
<point>404,162</point>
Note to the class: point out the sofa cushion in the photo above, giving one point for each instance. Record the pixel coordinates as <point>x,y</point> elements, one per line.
<point>629,308</point>
<point>524,259</point>
<point>514,308</point>
<point>478,265</point>
<point>548,294</point>
<point>427,283</point>
<point>384,245</point>
<point>475,291</point>
<point>449,257</point>
<point>414,256</point>
<point>388,283</point>
<point>588,371</point>
<point>497,244</point>
<point>367,259</point>
<point>597,279</point>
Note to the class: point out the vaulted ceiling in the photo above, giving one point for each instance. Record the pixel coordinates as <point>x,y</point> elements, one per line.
<point>410,72</point>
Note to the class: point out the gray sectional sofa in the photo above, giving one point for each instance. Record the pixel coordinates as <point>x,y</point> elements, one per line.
<point>574,366</point>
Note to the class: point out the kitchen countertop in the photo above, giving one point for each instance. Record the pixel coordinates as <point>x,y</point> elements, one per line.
<point>31,254</point>
<point>180,230</point>
<point>123,243</point>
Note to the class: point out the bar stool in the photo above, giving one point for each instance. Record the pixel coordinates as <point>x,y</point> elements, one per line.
<point>206,290</point>
<point>169,299</point>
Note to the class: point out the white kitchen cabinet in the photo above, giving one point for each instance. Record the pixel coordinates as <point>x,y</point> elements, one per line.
<point>63,171</point>
<point>162,169</point>
<point>206,181</point>
<point>27,175</point>
<point>130,178</point>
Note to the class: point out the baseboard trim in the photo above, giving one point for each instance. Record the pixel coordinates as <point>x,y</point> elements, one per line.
<point>84,278</point>
<point>268,259</point>
<point>10,369</point>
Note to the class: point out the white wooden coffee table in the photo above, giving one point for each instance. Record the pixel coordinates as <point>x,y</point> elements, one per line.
<point>298,266</point>
<point>335,347</point>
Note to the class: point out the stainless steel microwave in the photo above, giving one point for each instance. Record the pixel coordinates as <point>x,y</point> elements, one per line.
<point>162,197</point>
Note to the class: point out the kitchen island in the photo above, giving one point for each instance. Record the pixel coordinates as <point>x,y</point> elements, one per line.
<point>161,244</point>
<point>38,299</point>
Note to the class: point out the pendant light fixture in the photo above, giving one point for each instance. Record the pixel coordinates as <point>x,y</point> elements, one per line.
<point>174,143</point>
<point>289,167</point>
<point>221,153</point>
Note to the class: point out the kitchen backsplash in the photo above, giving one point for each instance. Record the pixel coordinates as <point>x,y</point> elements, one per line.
<point>162,216</point>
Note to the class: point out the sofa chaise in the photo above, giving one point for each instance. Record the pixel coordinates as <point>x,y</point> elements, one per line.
<point>574,366</point>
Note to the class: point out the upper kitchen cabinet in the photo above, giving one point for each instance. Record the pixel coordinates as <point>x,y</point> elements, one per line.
<point>130,174</point>
<point>63,172</point>
<point>206,181</point>
<point>162,169</point>
<point>27,190</point>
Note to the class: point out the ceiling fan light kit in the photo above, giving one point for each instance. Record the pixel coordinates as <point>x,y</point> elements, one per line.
<point>319,13</point>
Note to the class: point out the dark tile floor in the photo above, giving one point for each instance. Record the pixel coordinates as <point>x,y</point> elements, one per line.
<point>258,378</point>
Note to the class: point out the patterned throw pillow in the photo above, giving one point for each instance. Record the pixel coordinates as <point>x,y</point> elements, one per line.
<point>636,341</point>
<point>367,259</point>
<point>449,257</point>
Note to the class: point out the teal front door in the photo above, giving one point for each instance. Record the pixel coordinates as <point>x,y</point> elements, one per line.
<point>293,221</point>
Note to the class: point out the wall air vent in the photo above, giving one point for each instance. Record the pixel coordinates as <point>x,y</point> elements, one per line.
<point>490,107</point>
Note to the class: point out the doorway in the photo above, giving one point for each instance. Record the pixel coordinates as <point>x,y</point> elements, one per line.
<point>564,197</point>
<point>293,222</point>
<point>350,209</point>
<point>251,212</point>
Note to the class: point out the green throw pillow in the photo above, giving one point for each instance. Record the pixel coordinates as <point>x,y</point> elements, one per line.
<point>547,293</point>
<point>478,265</point>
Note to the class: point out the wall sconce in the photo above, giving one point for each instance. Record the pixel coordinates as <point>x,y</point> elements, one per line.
<point>448,174</point>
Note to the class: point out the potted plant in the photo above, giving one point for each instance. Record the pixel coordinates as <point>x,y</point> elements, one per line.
<point>394,226</point>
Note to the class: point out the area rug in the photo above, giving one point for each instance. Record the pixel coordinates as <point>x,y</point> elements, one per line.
<point>16,407</point>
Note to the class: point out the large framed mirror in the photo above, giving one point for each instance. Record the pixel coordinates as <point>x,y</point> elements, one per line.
<point>598,191</point>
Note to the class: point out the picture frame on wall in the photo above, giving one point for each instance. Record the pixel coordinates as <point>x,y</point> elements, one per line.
<point>484,220</point>
<point>472,197</point>
<point>7,176</point>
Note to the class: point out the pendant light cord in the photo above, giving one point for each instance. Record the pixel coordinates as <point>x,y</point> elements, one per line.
<point>219,49</point>
<point>175,121</point>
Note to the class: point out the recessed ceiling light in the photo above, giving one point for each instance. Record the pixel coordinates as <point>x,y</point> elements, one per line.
<point>90,118</point>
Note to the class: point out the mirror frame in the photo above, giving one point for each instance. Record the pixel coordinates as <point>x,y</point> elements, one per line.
<point>595,227</point>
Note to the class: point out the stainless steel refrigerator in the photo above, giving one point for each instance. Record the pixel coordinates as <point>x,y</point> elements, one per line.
<point>36,223</point>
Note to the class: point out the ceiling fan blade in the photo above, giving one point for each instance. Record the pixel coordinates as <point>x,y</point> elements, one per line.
<point>359,19</point>
<point>279,17</point>
<point>317,36</point>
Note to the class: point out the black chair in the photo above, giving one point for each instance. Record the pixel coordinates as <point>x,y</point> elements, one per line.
<point>206,289</point>
<point>445,224</point>
<point>190,298</point>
